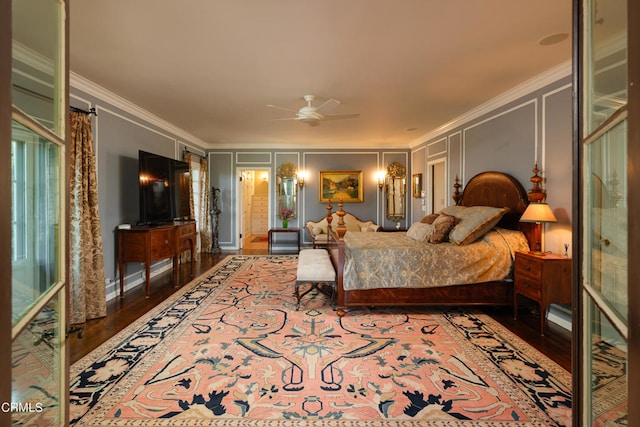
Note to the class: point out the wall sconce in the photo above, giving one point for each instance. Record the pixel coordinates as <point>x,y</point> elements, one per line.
<point>265,177</point>
<point>538,213</point>
<point>301,176</point>
<point>380,176</point>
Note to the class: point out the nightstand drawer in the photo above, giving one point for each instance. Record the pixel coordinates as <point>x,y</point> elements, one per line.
<point>528,286</point>
<point>528,267</point>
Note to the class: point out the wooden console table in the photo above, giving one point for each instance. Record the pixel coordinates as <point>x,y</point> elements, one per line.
<point>147,244</point>
<point>272,231</point>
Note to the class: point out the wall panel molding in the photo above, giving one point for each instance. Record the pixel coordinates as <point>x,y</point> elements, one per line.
<point>551,76</point>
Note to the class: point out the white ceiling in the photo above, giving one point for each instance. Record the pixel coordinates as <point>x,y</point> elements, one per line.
<point>211,67</point>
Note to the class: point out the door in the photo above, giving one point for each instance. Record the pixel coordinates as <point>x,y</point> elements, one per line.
<point>438,185</point>
<point>34,159</point>
<point>607,156</point>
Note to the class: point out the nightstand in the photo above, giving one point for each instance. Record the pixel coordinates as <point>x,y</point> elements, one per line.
<point>545,279</point>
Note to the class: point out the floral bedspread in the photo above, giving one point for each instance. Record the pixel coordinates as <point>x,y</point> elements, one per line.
<point>393,260</point>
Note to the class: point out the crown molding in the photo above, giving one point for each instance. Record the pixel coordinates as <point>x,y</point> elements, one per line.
<point>76,81</point>
<point>538,82</point>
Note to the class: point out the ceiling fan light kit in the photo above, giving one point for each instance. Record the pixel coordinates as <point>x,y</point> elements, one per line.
<point>310,114</point>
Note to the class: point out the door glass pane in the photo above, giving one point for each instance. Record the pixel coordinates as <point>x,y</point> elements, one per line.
<point>605,60</point>
<point>36,67</point>
<point>606,219</point>
<point>607,386</point>
<point>36,240</point>
<point>36,384</point>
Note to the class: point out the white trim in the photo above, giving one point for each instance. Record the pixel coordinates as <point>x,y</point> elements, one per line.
<point>269,162</point>
<point>526,88</point>
<point>543,142</point>
<point>437,141</point>
<point>533,101</point>
<point>428,181</point>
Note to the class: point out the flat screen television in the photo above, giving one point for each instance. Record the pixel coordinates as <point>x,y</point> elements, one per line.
<point>164,189</point>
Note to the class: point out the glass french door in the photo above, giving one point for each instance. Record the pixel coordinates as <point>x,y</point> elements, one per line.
<point>38,215</point>
<point>604,365</point>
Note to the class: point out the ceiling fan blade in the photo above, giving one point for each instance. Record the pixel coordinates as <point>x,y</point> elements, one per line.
<point>327,102</point>
<point>282,108</point>
<point>340,116</point>
<point>279,120</point>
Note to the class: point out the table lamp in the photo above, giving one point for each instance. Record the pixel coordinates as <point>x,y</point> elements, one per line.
<point>538,213</point>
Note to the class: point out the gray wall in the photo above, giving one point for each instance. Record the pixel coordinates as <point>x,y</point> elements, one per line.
<point>118,135</point>
<point>225,164</point>
<point>535,127</point>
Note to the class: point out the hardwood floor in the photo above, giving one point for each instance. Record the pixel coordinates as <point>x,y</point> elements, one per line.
<point>555,344</point>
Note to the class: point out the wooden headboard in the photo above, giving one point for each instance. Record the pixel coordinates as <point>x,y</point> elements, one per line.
<point>499,190</point>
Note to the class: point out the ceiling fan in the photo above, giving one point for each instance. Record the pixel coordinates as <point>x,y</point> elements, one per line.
<point>311,115</point>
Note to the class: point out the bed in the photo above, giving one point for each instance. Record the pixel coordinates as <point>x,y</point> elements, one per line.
<point>488,189</point>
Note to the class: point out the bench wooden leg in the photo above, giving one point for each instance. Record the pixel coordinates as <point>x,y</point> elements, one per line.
<point>315,285</point>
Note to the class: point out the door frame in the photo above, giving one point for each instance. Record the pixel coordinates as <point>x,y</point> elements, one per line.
<point>239,201</point>
<point>580,398</point>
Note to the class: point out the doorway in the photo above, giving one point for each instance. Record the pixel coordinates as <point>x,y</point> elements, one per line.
<point>254,208</point>
<point>437,185</point>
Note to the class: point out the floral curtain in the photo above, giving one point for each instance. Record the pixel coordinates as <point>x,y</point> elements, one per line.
<point>86,269</point>
<point>205,228</point>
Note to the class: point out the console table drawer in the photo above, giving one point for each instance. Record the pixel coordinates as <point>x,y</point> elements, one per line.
<point>162,243</point>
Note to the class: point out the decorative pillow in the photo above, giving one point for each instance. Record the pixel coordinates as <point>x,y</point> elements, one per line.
<point>429,218</point>
<point>420,231</point>
<point>369,227</point>
<point>352,227</point>
<point>474,222</point>
<point>442,227</point>
<point>454,210</point>
<point>318,230</point>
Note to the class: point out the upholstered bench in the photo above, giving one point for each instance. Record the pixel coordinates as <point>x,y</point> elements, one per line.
<point>315,267</point>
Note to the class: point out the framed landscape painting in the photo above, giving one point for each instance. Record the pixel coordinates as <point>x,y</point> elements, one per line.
<point>341,185</point>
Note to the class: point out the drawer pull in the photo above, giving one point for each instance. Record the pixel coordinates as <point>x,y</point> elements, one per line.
<point>166,243</point>
<point>527,284</point>
<point>527,267</point>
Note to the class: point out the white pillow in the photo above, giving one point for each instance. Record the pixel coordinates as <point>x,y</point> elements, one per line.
<point>318,230</point>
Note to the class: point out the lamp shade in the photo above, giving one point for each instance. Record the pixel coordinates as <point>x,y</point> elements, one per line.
<point>538,212</point>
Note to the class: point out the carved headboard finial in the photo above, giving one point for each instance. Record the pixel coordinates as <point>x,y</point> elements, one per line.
<point>329,215</point>
<point>341,228</point>
<point>537,194</point>
<point>457,195</point>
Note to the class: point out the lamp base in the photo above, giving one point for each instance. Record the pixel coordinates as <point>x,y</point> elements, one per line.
<point>537,253</point>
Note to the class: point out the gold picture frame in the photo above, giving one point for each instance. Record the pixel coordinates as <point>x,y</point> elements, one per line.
<point>416,185</point>
<point>347,186</point>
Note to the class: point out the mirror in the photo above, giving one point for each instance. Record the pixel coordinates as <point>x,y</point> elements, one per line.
<point>287,188</point>
<point>396,191</point>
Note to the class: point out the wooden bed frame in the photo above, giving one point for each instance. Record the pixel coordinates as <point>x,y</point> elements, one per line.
<point>485,189</point>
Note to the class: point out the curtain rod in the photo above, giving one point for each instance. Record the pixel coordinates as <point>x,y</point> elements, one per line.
<point>48,98</point>
<point>92,110</point>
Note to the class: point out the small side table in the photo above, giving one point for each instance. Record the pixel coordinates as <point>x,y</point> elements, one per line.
<point>272,231</point>
<point>545,279</point>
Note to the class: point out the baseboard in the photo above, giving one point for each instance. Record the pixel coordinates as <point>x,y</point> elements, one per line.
<point>560,315</point>
<point>137,278</point>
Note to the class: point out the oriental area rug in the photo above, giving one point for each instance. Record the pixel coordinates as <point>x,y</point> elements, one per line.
<point>230,349</point>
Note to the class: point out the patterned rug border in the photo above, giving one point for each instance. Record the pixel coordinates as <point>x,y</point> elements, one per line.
<point>533,354</point>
